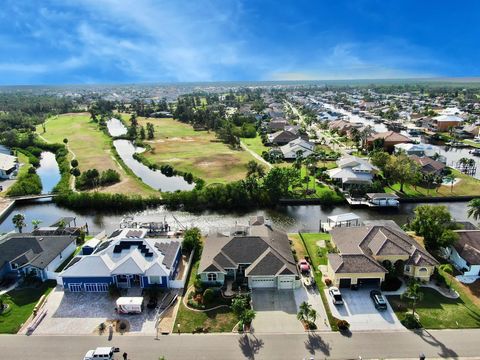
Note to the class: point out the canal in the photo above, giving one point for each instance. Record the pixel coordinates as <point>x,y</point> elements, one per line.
<point>48,171</point>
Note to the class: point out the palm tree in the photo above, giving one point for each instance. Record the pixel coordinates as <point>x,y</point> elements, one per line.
<point>19,222</point>
<point>474,209</point>
<point>35,223</point>
<point>413,294</point>
<point>451,179</point>
<point>303,311</point>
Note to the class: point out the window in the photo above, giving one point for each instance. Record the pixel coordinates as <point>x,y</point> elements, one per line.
<point>407,268</point>
<point>212,277</point>
<point>423,269</point>
<point>155,280</point>
<point>14,266</point>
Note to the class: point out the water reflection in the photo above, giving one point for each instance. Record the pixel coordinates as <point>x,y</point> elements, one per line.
<point>48,171</point>
<point>116,128</point>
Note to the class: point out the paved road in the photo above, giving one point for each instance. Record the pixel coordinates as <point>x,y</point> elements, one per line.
<point>434,344</point>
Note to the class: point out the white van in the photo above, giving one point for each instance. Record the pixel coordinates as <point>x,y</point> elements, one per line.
<point>100,353</point>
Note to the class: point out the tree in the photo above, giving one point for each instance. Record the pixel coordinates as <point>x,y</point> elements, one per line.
<point>413,294</point>
<point>451,179</point>
<point>19,222</point>
<point>150,131</point>
<point>402,169</point>
<point>65,141</point>
<point>192,240</point>
<point>247,316</point>
<point>142,133</point>
<point>474,209</point>
<point>74,163</point>
<point>36,223</point>
<point>447,239</point>
<point>379,158</point>
<point>255,169</point>
<point>239,304</point>
<point>306,313</point>
<point>431,222</point>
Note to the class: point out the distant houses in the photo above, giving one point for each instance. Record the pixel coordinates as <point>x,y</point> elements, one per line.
<point>294,147</point>
<point>389,139</point>
<point>8,166</point>
<point>443,123</point>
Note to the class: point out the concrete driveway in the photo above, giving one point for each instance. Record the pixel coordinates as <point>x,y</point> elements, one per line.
<point>359,311</point>
<point>276,311</point>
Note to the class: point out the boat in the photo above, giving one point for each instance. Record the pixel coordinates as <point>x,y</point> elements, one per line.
<point>475,152</point>
<point>457,144</point>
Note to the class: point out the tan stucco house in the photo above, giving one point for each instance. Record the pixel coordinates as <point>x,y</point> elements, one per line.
<point>365,253</point>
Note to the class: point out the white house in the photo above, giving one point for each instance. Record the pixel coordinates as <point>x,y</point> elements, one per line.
<point>353,170</point>
<point>290,150</point>
<point>465,253</point>
<point>8,166</point>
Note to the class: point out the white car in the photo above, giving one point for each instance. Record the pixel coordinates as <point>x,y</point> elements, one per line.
<point>100,353</point>
<point>336,296</point>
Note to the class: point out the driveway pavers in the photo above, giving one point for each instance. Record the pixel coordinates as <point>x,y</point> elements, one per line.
<point>359,311</point>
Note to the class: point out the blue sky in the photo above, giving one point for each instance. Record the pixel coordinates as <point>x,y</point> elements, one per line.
<point>125,41</point>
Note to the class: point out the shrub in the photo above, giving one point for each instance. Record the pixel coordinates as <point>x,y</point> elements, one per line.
<point>113,290</point>
<point>208,296</point>
<point>410,321</point>
<point>198,285</point>
<point>343,325</point>
<point>328,282</point>
<point>101,327</point>
<point>123,326</point>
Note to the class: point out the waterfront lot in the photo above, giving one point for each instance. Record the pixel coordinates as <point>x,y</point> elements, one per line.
<point>92,149</point>
<point>359,311</point>
<point>82,313</point>
<point>198,152</point>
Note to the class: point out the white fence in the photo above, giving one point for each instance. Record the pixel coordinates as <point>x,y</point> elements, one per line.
<point>180,284</point>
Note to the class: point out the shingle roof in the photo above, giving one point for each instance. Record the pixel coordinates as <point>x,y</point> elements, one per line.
<point>390,136</point>
<point>468,245</point>
<point>351,264</point>
<point>38,251</point>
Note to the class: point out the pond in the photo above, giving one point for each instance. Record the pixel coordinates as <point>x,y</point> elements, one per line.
<point>153,178</point>
<point>115,127</point>
<point>287,218</point>
<point>48,171</point>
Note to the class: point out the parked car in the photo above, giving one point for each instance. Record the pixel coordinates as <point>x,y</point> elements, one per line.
<point>336,296</point>
<point>101,353</point>
<point>378,300</point>
<point>304,266</point>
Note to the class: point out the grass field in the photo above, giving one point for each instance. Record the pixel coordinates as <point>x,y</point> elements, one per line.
<point>466,186</point>
<point>255,144</point>
<point>92,149</point>
<point>21,303</point>
<point>198,152</point>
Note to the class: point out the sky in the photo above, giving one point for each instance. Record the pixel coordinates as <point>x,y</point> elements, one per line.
<point>148,41</point>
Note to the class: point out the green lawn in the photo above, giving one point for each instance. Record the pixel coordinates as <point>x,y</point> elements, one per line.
<point>438,312</point>
<point>255,144</point>
<point>92,148</point>
<point>220,320</point>
<point>21,302</point>
<point>196,152</point>
<point>465,187</point>
<point>320,189</point>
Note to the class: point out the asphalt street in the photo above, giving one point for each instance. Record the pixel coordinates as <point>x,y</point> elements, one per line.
<point>368,345</point>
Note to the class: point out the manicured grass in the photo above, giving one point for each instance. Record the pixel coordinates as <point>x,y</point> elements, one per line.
<point>92,148</point>
<point>197,152</point>
<point>255,144</point>
<point>320,189</point>
<point>465,187</point>
<point>21,302</point>
<point>439,312</point>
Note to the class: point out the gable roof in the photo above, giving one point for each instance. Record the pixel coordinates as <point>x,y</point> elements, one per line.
<point>266,251</point>
<point>468,245</point>
<point>390,136</point>
<point>37,251</point>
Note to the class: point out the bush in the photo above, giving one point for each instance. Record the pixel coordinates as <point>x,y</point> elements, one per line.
<point>113,290</point>
<point>391,284</point>
<point>328,282</point>
<point>26,184</point>
<point>343,325</point>
<point>123,326</point>
<point>109,177</point>
<point>410,321</point>
<point>208,296</point>
<point>101,327</point>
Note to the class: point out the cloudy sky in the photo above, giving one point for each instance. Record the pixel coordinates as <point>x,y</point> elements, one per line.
<point>126,41</point>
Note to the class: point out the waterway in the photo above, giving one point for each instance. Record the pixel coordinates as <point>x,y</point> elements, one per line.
<point>287,218</point>
<point>48,171</point>
<point>153,178</point>
<point>116,128</point>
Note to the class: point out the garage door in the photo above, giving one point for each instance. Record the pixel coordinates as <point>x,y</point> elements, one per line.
<point>263,282</point>
<point>98,287</point>
<point>369,282</point>
<point>75,287</point>
<point>285,283</point>
<point>345,283</point>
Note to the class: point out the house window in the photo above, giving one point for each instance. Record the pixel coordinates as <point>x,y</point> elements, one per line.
<point>155,280</point>
<point>423,269</point>
<point>212,277</point>
<point>407,268</point>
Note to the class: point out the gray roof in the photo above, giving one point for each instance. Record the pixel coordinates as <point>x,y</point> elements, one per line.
<point>468,245</point>
<point>266,250</point>
<point>169,251</point>
<point>37,251</point>
<point>382,238</point>
<point>351,264</point>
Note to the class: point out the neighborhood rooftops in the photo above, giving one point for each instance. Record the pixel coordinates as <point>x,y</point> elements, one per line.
<point>7,162</point>
<point>468,245</point>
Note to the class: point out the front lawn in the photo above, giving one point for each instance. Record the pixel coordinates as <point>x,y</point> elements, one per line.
<point>439,312</point>
<point>21,302</point>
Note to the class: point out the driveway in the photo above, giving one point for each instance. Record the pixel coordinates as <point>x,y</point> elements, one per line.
<point>276,311</point>
<point>359,311</point>
<point>81,313</point>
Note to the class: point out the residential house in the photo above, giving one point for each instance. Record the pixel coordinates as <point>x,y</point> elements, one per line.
<point>127,259</point>
<point>390,139</point>
<point>27,254</point>
<point>291,150</point>
<point>353,170</point>
<point>257,255</point>
<point>366,252</point>
<point>276,124</point>
<point>428,165</point>
<point>282,137</point>
<point>8,166</point>
<point>443,123</point>
<point>465,253</point>
<point>340,126</point>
